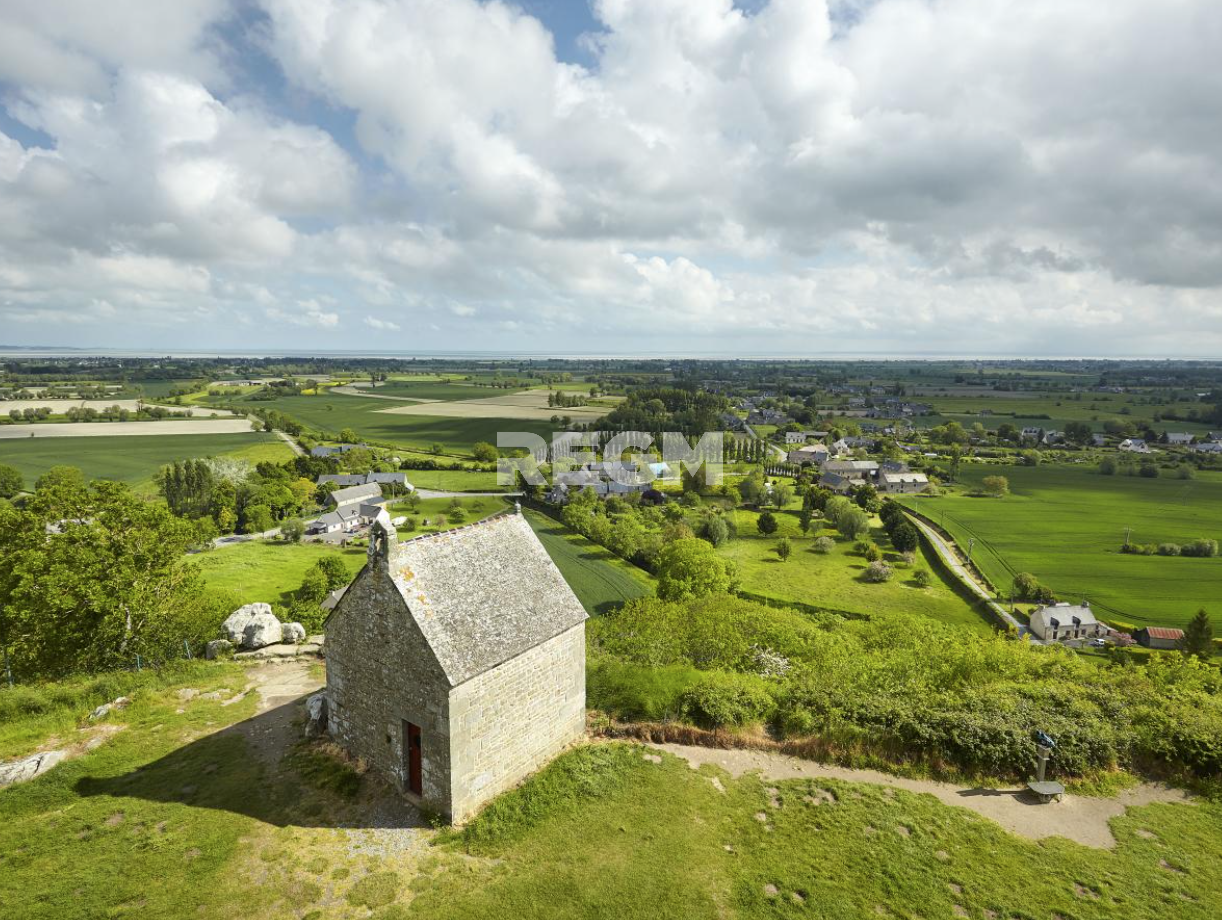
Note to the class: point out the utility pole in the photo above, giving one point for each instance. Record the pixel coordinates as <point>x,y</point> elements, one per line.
<point>1127,531</point>
<point>971,543</point>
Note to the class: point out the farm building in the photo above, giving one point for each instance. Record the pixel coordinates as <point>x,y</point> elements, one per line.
<point>456,662</point>
<point>1063,621</point>
<point>1159,637</point>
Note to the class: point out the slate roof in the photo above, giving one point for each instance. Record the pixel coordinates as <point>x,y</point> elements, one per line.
<point>483,594</point>
<point>354,494</point>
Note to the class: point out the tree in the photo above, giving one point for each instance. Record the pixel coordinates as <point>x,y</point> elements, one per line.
<point>1107,466</point>
<point>877,572</point>
<point>824,545</point>
<point>921,577</point>
<point>94,576</point>
<point>956,456</point>
<point>716,530</point>
<point>904,538</point>
<point>292,530</point>
<point>258,519</point>
<point>767,523</point>
<point>751,488</point>
<point>691,568</point>
<point>995,486</point>
<point>853,524</point>
<point>781,495</point>
<point>348,436</point>
<point>437,449</point>
<point>334,571</point>
<point>11,481</point>
<point>1199,636</point>
<point>804,520</point>
<point>484,452</point>
<point>1078,432</point>
<point>784,548</point>
<point>1028,588</point>
<point>65,478</point>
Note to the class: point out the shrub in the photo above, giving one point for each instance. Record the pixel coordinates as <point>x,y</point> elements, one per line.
<point>1168,549</point>
<point>784,548</point>
<point>853,523</point>
<point>904,538</point>
<point>824,545</point>
<point>1149,471</point>
<point>724,700</point>
<point>1107,466</point>
<point>872,553</point>
<point>1028,588</point>
<point>767,523</point>
<point>922,579</point>
<point>878,572</point>
<point>1201,548</point>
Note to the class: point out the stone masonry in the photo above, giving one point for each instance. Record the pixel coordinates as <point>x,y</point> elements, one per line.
<point>472,635</point>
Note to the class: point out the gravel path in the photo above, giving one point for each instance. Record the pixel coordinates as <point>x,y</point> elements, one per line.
<point>1082,820</point>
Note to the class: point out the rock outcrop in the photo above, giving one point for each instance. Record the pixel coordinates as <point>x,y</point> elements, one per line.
<point>260,630</point>
<point>316,715</point>
<point>293,633</point>
<point>20,771</point>
<point>216,648</point>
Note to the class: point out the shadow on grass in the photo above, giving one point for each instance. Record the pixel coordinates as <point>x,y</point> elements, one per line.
<point>260,768</point>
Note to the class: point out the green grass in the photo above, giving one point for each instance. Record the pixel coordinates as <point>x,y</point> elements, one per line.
<point>132,459</point>
<point>333,412</point>
<point>267,572</point>
<point>834,581</point>
<point>603,832</point>
<point>428,514</point>
<point>599,578</point>
<point>1066,524</point>
<point>434,389</point>
<point>454,481</point>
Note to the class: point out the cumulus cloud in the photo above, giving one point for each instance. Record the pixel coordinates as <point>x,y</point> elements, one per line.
<point>864,174</point>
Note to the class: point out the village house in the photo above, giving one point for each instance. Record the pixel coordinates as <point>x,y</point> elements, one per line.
<point>1179,438</point>
<point>902,481</point>
<point>1061,622</point>
<point>1135,446</point>
<point>352,507</point>
<point>811,453</point>
<point>456,662</point>
<point>1032,434</point>
<point>395,480</point>
<point>1159,637</point>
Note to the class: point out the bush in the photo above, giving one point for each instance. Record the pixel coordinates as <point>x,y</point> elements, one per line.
<point>1027,588</point>
<point>1107,466</point>
<point>1201,548</point>
<point>872,553</point>
<point>1149,471</point>
<point>922,578</point>
<point>767,523</point>
<point>1168,549</point>
<point>904,538</point>
<point>878,572</point>
<point>853,523</point>
<point>824,545</point>
<point>724,700</point>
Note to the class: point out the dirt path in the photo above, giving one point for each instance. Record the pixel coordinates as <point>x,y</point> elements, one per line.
<point>279,686</point>
<point>1082,820</point>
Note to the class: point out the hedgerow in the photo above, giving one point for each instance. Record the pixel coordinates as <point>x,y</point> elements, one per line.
<point>906,688</point>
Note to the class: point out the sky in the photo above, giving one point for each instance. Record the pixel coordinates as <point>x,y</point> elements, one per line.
<point>760,177</point>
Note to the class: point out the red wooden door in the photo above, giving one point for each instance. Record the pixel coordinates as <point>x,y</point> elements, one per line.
<point>415,782</point>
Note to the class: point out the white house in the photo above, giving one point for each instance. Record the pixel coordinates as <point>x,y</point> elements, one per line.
<point>1135,446</point>
<point>1063,621</point>
<point>904,481</point>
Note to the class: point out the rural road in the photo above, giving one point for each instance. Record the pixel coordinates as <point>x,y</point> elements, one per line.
<point>293,445</point>
<point>1082,820</point>
<point>951,558</point>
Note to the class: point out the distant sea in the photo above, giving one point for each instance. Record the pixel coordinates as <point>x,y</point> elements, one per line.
<point>50,351</point>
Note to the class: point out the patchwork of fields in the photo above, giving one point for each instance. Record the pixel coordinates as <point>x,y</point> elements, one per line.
<point>1066,524</point>
<point>599,578</point>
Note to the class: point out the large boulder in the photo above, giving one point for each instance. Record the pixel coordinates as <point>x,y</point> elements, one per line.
<point>262,629</point>
<point>293,632</point>
<point>316,715</point>
<point>234,627</point>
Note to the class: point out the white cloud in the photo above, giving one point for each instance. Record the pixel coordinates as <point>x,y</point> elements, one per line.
<point>384,325</point>
<point>891,173</point>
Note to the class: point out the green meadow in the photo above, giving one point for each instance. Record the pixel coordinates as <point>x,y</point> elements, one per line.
<point>1066,524</point>
<point>834,581</point>
<point>133,459</point>
<point>599,578</point>
<point>267,572</point>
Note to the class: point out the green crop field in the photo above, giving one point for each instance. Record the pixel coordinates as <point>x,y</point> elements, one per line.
<point>434,389</point>
<point>333,412</point>
<point>267,572</point>
<point>1066,524</point>
<point>834,581</point>
<point>133,459</point>
<point>600,579</point>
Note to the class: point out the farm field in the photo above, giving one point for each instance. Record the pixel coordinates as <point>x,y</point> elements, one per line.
<point>167,427</point>
<point>599,578</point>
<point>267,572</point>
<point>133,458</point>
<point>529,405</point>
<point>333,412</point>
<point>1066,524</point>
<point>834,581</point>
